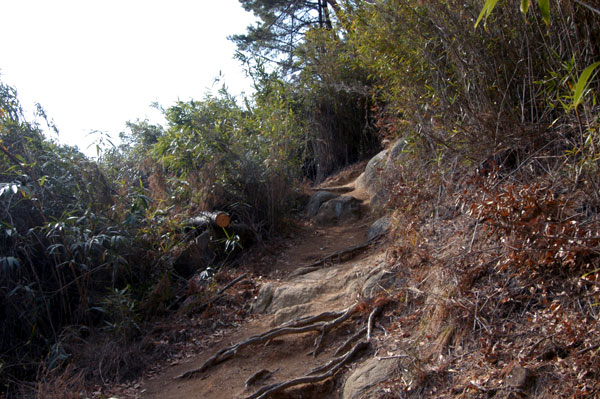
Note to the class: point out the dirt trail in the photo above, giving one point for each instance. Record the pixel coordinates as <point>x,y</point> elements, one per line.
<point>332,287</point>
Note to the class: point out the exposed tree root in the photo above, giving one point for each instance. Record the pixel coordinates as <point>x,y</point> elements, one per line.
<point>323,323</point>
<point>353,250</point>
<point>336,256</point>
<point>212,299</point>
<point>259,375</point>
<point>370,321</point>
<point>298,327</point>
<point>332,367</point>
<point>330,325</point>
<point>302,321</point>
<point>344,347</point>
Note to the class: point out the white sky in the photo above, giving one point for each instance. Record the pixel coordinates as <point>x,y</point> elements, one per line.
<point>93,65</point>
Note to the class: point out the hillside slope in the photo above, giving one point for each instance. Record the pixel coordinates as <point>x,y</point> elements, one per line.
<point>458,316</point>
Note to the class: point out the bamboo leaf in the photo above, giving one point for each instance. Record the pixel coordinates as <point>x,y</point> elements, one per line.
<point>545,10</point>
<point>582,84</point>
<point>488,6</point>
<point>524,6</point>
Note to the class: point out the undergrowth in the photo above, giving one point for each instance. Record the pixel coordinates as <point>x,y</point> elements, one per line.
<point>501,277</point>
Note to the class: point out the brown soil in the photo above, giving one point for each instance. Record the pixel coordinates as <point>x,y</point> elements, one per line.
<point>289,357</point>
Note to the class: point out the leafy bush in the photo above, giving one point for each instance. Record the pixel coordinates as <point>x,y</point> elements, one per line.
<point>479,91</point>
<point>217,154</point>
<point>60,250</point>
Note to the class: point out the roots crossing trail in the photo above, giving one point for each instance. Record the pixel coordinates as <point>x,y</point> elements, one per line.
<point>245,362</point>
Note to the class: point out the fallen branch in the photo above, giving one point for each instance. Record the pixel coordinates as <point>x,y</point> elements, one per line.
<point>232,282</point>
<point>231,351</point>
<point>275,388</point>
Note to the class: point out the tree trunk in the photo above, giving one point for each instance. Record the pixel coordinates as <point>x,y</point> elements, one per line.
<point>214,219</point>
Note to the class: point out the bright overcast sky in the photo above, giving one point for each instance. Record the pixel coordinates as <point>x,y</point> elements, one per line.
<point>93,65</point>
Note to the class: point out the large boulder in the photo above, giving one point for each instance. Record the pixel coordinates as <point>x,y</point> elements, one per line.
<point>370,179</point>
<point>364,379</point>
<point>382,168</point>
<point>316,200</point>
<point>339,210</point>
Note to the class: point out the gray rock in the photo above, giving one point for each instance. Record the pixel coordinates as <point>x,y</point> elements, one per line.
<point>372,176</point>
<point>265,298</point>
<point>293,312</point>
<point>361,182</point>
<point>397,150</point>
<point>316,200</point>
<point>363,380</point>
<point>287,296</point>
<point>383,168</point>
<point>339,210</point>
<point>379,227</point>
<point>371,287</point>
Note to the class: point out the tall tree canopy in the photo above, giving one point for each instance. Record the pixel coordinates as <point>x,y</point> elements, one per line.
<point>281,27</point>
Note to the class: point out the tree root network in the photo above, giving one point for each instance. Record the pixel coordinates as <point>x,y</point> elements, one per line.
<point>323,323</point>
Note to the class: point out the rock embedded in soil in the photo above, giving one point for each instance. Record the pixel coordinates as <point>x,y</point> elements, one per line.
<point>363,381</point>
<point>291,295</point>
<point>379,227</point>
<point>339,210</point>
<point>520,378</point>
<point>290,313</point>
<point>264,298</point>
<point>316,200</point>
<point>371,287</point>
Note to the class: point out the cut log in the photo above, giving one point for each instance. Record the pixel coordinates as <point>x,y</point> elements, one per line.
<point>214,219</point>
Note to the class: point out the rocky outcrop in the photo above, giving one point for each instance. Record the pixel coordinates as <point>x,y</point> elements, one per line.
<point>361,384</point>
<point>383,167</point>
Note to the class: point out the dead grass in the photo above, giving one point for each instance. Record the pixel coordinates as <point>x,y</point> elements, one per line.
<point>470,314</point>
<point>65,384</point>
